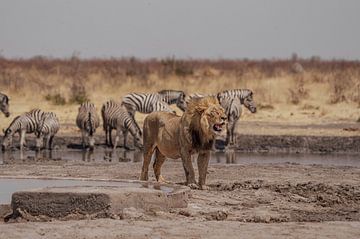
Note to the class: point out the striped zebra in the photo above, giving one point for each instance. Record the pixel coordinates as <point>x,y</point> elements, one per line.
<point>88,121</point>
<point>23,124</point>
<point>46,131</point>
<point>116,116</point>
<point>233,111</point>
<point>174,97</point>
<point>4,104</point>
<point>244,95</point>
<point>144,103</point>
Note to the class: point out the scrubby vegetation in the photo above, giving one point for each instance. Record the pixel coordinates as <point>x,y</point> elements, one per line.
<point>290,81</point>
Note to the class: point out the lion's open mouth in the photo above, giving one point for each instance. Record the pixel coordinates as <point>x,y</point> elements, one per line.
<point>217,127</point>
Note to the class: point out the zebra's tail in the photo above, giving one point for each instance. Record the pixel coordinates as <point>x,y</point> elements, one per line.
<point>91,125</point>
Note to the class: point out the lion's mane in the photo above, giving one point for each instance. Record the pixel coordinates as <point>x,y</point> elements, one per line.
<point>201,135</point>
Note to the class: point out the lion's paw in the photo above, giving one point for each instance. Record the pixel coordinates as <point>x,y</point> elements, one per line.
<point>204,187</point>
<point>193,186</point>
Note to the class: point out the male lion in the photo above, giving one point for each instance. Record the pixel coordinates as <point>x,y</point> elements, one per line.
<point>173,136</point>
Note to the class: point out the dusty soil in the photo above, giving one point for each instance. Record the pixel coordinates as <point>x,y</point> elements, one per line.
<point>261,201</point>
<point>248,201</point>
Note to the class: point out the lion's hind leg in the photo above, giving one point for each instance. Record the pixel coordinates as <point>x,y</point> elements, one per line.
<point>159,160</point>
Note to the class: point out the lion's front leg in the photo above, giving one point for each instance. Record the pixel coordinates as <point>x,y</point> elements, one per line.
<point>189,169</point>
<point>203,162</point>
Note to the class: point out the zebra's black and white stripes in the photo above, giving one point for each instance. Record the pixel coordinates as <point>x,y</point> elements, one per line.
<point>47,129</point>
<point>144,103</point>
<point>88,121</point>
<point>116,116</point>
<point>174,97</point>
<point>244,95</point>
<point>4,104</point>
<point>231,101</point>
<point>23,124</point>
<point>233,111</point>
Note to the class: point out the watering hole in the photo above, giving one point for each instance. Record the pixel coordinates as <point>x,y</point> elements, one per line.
<point>220,157</point>
<point>10,185</point>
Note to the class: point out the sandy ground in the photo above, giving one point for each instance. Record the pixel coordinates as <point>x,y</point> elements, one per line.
<point>247,201</point>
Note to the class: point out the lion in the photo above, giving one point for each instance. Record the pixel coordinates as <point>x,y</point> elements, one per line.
<point>172,136</point>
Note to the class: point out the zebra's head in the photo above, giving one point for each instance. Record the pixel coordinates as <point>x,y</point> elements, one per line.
<point>4,106</point>
<point>7,139</point>
<point>249,102</point>
<point>181,102</point>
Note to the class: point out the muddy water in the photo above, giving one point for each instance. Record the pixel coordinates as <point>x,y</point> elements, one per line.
<point>221,157</point>
<point>9,186</point>
<point>228,157</point>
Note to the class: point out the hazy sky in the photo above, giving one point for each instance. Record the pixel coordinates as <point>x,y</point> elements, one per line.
<point>184,28</point>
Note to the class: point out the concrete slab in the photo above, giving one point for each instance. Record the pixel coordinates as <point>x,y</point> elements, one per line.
<point>97,201</point>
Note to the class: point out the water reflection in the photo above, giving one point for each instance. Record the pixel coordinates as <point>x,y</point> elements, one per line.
<point>87,156</point>
<point>229,156</point>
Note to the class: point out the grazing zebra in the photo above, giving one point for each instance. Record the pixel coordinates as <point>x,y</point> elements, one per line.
<point>4,104</point>
<point>88,121</point>
<point>144,103</point>
<point>174,97</point>
<point>46,131</point>
<point>244,95</point>
<point>25,123</point>
<point>116,116</point>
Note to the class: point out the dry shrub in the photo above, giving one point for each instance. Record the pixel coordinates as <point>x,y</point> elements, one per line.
<point>271,80</point>
<point>56,99</point>
<point>78,94</point>
<point>298,92</point>
<point>261,106</point>
<point>310,107</point>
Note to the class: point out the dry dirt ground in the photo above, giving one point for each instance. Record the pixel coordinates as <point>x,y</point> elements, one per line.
<point>245,201</point>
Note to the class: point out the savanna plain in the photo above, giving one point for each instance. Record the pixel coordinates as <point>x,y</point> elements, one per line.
<point>295,97</point>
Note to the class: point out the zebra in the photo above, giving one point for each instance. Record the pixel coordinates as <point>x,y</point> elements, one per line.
<point>4,104</point>
<point>244,95</point>
<point>22,124</point>
<point>47,129</point>
<point>116,116</point>
<point>231,101</point>
<point>144,103</point>
<point>174,97</point>
<point>233,111</point>
<point>88,121</point>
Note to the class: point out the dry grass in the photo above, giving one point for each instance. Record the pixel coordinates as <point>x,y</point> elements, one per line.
<point>322,91</point>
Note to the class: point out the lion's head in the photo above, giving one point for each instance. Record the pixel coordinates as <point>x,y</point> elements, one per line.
<point>206,117</point>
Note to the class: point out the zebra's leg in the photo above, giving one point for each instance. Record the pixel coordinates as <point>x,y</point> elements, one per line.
<point>51,141</point>
<point>22,139</point>
<point>125,135</point>
<point>110,137</point>
<point>106,136</point>
<point>117,137</point>
<point>233,134</point>
<point>132,114</point>
<point>159,160</point>
<point>83,138</point>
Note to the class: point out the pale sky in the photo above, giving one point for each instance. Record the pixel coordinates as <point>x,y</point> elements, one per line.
<point>185,29</point>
